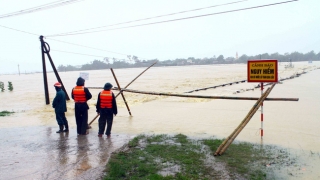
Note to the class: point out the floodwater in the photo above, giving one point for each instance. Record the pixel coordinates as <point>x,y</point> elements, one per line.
<point>31,149</point>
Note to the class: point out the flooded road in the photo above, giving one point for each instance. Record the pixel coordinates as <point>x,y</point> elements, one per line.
<point>31,148</point>
<point>40,153</point>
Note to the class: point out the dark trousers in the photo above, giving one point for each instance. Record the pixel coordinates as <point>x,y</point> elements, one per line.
<point>81,113</point>
<point>105,118</point>
<point>61,119</point>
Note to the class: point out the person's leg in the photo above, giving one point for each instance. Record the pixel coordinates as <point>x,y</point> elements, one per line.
<point>65,122</point>
<point>109,124</point>
<point>102,124</point>
<point>60,122</point>
<point>84,122</point>
<point>78,119</point>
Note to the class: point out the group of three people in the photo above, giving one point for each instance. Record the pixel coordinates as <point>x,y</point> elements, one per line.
<point>106,107</point>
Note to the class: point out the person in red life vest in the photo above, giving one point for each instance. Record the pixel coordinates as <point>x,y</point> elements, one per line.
<point>81,95</point>
<point>60,107</point>
<point>106,108</point>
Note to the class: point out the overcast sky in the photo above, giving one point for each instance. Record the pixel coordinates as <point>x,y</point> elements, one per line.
<point>282,28</point>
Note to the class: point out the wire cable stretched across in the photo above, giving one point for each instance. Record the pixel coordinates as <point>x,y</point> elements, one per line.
<point>179,19</point>
<point>171,14</point>
<point>40,8</point>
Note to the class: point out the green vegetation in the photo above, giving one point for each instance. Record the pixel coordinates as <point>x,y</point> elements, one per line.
<point>134,61</point>
<point>177,157</point>
<point>10,87</point>
<point>1,86</point>
<point>5,113</point>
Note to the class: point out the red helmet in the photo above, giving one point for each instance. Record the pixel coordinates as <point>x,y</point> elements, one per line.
<point>57,84</point>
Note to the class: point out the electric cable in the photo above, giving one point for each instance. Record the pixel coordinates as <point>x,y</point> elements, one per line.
<point>79,53</point>
<point>19,30</point>
<point>179,19</point>
<point>87,46</point>
<point>150,18</point>
<point>40,8</point>
<point>66,42</point>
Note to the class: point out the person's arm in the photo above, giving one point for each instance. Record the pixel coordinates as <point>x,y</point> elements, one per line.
<point>88,94</point>
<point>57,100</point>
<point>114,105</point>
<point>98,104</point>
<point>72,94</point>
<point>54,102</point>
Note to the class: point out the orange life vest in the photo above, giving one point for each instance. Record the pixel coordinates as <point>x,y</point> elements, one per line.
<point>106,99</point>
<point>79,95</point>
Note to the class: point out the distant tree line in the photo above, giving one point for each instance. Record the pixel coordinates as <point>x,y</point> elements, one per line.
<point>134,61</point>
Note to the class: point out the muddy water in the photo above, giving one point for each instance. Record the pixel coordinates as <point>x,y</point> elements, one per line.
<point>30,147</point>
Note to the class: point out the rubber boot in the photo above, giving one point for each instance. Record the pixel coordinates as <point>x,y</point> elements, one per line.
<point>61,129</point>
<point>66,127</point>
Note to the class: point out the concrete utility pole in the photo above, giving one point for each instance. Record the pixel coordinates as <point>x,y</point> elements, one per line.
<point>18,69</point>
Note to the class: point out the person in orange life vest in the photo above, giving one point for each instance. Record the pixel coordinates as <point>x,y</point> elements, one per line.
<point>81,95</point>
<point>60,107</point>
<point>106,107</point>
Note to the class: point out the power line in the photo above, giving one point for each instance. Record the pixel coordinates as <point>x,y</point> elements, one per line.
<point>149,18</point>
<point>87,46</point>
<point>79,53</point>
<point>19,30</point>
<point>68,43</point>
<point>40,8</point>
<point>179,19</point>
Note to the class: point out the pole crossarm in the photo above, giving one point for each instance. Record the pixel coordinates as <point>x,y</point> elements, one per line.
<point>208,97</point>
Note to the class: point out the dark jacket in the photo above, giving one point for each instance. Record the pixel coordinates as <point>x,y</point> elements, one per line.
<point>113,110</point>
<point>59,102</point>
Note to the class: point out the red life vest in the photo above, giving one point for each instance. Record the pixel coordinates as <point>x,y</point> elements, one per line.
<point>106,99</point>
<point>79,95</point>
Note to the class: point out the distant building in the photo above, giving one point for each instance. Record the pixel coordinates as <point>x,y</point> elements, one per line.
<point>237,56</point>
<point>189,61</point>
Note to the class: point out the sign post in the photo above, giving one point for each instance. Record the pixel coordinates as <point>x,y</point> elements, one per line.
<point>262,71</point>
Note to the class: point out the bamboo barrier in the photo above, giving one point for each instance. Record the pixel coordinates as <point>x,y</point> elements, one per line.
<point>118,88</point>
<point>124,99</point>
<point>222,85</point>
<point>94,119</point>
<point>208,97</point>
<point>137,77</point>
<point>230,136</point>
<point>226,143</point>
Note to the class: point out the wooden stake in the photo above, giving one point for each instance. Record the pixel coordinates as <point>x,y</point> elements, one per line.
<point>125,87</point>
<point>227,142</point>
<point>137,77</point>
<point>93,119</point>
<point>124,99</point>
<point>207,97</point>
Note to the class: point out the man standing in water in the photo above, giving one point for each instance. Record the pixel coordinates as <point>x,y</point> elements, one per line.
<point>60,107</point>
<point>106,107</point>
<point>81,95</point>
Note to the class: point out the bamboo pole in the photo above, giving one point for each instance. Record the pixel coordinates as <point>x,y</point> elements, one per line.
<point>222,85</point>
<point>94,119</point>
<point>137,77</point>
<point>231,135</point>
<point>237,131</point>
<point>208,97</point>
<point>118,88</point>
<point>124,99</point>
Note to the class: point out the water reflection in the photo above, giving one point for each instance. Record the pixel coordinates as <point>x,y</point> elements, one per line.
<point>82,154</point>
<point>63,148</point>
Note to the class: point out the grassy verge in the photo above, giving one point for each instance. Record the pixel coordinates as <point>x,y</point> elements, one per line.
<point>5,113</point>
<point>177,157</point>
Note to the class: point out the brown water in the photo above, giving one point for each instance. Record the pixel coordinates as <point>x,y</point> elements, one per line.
<point>31,148</point>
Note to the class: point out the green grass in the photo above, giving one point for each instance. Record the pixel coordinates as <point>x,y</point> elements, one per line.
<point>5,113</point>
<point>163,157</point>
